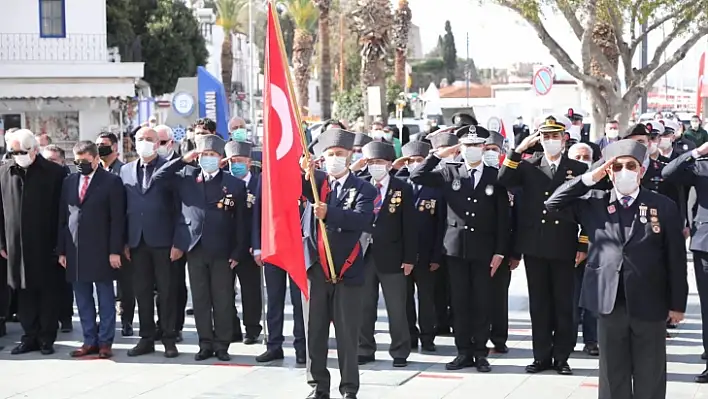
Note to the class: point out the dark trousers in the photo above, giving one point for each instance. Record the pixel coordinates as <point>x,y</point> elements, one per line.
<point>249,278</point>
<point>470,288</point>
<point>65,301</point>
<point>499,311</point>
<point>104,332</point>
<point>211,282</point>
<point>633,356</point>
<point>179,270</point>
<point>37,311</point>
<point>276,285</point>
<point>125,292</point>
<point>5,290</point>
<point>551,285</point>
<point>393,286</point>
<point>700,264</point>
<point>582,316</point>
<point>421,280</point>
<point>443,311</point>
<point>151,267</point>
<point>341,304</point>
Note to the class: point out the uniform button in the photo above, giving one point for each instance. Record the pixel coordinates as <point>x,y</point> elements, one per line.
<point>469,199</point>
<point>474,201</point>
<point>465,227</point>
<point>339,230</point>
<point>557,222</point>
<point>546,193</point>
<point>467,213</point>
<point>471,228</point>
<point>544,211</point>
<point>373,225</point>
<point>473,215</point>
<point>543,221</point>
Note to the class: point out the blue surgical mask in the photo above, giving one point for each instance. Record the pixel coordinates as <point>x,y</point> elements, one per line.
<point>238,169</point>
<point>209,163</point>
<point>239,134</point>
<point>357,156</point>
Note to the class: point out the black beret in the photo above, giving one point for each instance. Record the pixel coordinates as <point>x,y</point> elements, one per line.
<point>495,139</point>
<point>362,139</point>
<point>379,150</point>
<point>625,148</point>
<point>210,142</point>
<point>574,115</point>
<point>238,149</point>
<point>463,119</point>
<point>443,139</point>
<point>416,149</point>
<point>639,129</point>
<point>334,137</point>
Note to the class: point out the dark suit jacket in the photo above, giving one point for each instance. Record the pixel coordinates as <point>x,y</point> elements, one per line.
<point>152,215</point>
<point>394,231</point>
<point>477,217</point>
<point>91,230</point>
<point>539,234</point>
<point>345,223</point>
<point>256,223</point>
<point>652,259</point>
<point>216,220</point>
<point>115,167</point>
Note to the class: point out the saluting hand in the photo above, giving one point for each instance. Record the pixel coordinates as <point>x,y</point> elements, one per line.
<point>358,165</point>
<point>190,156</point>
<point>600,173</point>
<point>407,268</point>
<point>446,152</point>
<point>530,141</point>
<point>62,261</point>
<point>114,259</point>
<point>400,163</point>
<point>496,262</point>
<point>675,317</point>
<point>320,210</point>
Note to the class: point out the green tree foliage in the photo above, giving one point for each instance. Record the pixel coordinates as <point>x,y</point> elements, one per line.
<point>349,105</point>
<point>161,33</point>
<point>449,53</point>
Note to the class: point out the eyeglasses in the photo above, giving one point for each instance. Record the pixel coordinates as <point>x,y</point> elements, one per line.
<point>631,166</point>
<point>13,153</point>
<point>164,142</point>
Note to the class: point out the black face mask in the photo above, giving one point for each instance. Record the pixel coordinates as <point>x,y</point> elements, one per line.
<point>84,167</point>
<point>104,150</point>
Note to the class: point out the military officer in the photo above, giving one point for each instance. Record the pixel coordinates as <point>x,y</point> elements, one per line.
<point>390,248</point>
<point>430,215</point>
<point>634,233</point>
<point>577,133</point>
<point>346,207</point>
<point>550,244</point>
<point>476,241</point>
<point>360,140</point>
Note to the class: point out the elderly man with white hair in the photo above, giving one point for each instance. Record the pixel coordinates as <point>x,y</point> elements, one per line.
<point>166,149</point>
<point>28,238</point>
<point>581,152</point>
<point>237,129</point>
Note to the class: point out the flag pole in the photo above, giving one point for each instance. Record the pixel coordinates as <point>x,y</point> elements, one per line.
<point>303,140</point>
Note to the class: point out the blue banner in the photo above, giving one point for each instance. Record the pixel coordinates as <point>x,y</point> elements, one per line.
<point>213,102</point>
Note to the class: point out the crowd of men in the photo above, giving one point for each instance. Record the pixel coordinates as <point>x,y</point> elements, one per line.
<point>437,225</point>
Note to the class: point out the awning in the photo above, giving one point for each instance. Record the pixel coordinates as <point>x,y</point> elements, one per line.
<point>116,88</point>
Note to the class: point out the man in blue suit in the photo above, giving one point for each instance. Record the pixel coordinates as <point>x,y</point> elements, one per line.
<point>90,241</point>
<point>152,213</point>
<point>215,237</point>
<point>346,207</point>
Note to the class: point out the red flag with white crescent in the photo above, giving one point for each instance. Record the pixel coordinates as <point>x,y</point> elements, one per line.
<point>281,240</point>
<point>509,141</point>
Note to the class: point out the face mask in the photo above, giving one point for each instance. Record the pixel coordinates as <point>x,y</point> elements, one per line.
<point>163,151</point>
<point>612,133</point>
<point>491,158</point>
<point>84,167</point>
<point>238,169</point>
<point>23,160</point>
<point>575,132</point>
<point>413,166</point>
<point>651,149</point>
<point>378,172</point>
<point>519,122</point>
<point>388,136</point>
<point>239,134</point>
<point>472,154</point>
<point>552,147</point>
<point>104,150</point>
<point>209,163</point>
<point>377,134</point>
<point>357,156</point>
<point>665,143</point>
<point>626,181</point>
<point>145,149</point>
<point>335,165</point>
<point>694,125</point>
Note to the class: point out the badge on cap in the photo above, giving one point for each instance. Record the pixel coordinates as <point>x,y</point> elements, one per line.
<point>456,185</point>
<point>611,209</point>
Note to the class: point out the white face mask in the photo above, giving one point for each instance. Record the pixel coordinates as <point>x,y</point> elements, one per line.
<point>335,165</point>
<point>163,151</point>
<point>575,132</point>
<point>652,148</point>
<point>377,134</point>
<point>491,158</point>
<point>378,172</point>
<point>145,149</point>
<point>413,166</point>
<point>23,161</point>
<point>612,133</point>
<point>626,181</point>
<point>552,147</point>
<point>665,143</point>
<point>472,154</point>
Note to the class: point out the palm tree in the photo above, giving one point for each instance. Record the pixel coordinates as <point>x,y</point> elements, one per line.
<point>401,28</point>
<point>229,16</point>
<point>325,71</point>
<point>372,20</point>
<point>304,15</point>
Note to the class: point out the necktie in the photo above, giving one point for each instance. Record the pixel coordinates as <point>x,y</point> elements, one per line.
<point>333,195</point>
<point>472,179</point>
<point>146,177</point>
<point>378,201</point>
<point>84,188</point>
<point>625,201</point>
<point>553,170</point>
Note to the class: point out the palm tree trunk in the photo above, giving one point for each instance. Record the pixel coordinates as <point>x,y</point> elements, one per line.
<point>302,54</point>
<point>227,64</point>
<point>325,64</point>
<point>400,68</point>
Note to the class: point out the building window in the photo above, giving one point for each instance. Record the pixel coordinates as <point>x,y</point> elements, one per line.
<point>52,18</point>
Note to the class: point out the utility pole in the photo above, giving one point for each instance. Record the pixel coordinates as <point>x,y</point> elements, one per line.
<point>645,60</point>
<point>342,64</point>
<point>251,91</point>
<point>467,71</point>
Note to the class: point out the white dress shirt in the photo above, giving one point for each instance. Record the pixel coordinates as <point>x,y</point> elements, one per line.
<point>384,185</point>
<point>479,169</point>
<point>556,162</point>
<point>247,178</point>
<point>341,181</point>
<point>209,176</point>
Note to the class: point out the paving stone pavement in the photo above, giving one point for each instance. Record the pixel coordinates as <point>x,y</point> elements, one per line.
<point>154,377</point>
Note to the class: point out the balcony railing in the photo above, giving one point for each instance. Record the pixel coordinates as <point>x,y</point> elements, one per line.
<point>30,47</point>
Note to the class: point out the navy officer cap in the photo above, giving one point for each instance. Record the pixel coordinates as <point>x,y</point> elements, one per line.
<point>443,139</point>
<point>639,129</point>
<point>334,137</point>
<point>210,142</point>
<point>495,139</point>
<point>379,150</point>
<point>238,149</point>
<point>361,139</point>
<point>472,129</point>
<point>415,149</point>
<point>626,148</point>
<point>463,119</point>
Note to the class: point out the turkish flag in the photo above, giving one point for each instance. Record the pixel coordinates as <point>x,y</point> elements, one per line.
<point>281,240</point>
<point>509,141</point>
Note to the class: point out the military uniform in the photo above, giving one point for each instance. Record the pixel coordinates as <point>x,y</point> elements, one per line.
<point>477,230</point>
<point>360,140</point>
<point>582,135</point>
<point>549,244</point>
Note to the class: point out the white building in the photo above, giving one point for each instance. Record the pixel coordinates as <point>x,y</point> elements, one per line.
<point>57,74</point>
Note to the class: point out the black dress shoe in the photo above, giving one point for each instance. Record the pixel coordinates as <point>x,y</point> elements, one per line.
<point>24,347</point>
<point>189,312</point>
<point>460,362</point>
<point>127,330</point>
<point>66,326</point>
<point>592,349</point>
<point>563,368</point>
<point>270,355</point>
<point>250,340</point>
<point>482,365</point>
<point>400,362</point>
<point>428,347</point>
<point>179,337</point>
<point>143,347</point>
<point>318,395</point>
<point>349,395</point>
<point>170,350</point>
<point>501,348</point>
<point>46,349</point>
<point>365,359</point>
<point>203,354</point>
<point>702,378</point>
<point>538,366</point>
<point>223,355</point>
<point>300,358</point>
